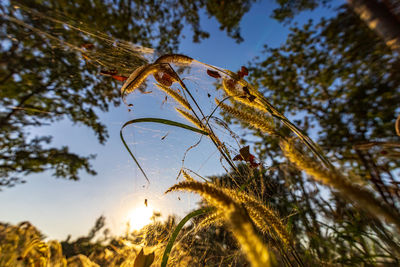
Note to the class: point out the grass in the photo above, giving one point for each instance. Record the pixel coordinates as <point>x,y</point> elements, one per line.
<point>258,113</point>
<point>366,231</point>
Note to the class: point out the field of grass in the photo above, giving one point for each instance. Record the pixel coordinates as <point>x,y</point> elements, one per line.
<point>247,216</point>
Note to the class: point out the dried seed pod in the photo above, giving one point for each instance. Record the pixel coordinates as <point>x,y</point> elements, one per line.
<point>175,59</point>
<point>137,78</point>
<point>213,74</point>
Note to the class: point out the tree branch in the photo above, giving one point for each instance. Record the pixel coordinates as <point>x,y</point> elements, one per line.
<point>379,19</point>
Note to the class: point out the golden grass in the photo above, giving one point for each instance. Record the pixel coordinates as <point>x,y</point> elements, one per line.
<point>176,96</point>
<point>234,89</point>
<point>190,118</point>
<point>235,215</point>
<point>257,120</point>
<point>332,178</point>
<point>242,213</point>
<point>264,217</point>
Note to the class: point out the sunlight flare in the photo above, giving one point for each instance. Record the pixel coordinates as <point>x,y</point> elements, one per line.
<point>140,217</point>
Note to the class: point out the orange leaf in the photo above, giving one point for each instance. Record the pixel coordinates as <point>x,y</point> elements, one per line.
<point>119,78</point>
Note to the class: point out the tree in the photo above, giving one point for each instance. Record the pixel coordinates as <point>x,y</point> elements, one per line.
<point>339,80</point>
<point>41,81</point>
<point>43,77</point>
<point>379,18</point>
<point>288,9</point>
<point>346,88</point>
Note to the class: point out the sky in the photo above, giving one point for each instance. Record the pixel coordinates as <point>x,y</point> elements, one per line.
<point>59,207</point>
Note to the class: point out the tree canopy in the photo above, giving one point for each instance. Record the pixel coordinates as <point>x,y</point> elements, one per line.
<point>42,81</point>
<point>341,79</point>
<point>44,76</point>
<point>337,79</point>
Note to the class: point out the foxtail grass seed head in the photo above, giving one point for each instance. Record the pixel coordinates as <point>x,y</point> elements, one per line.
<point>235,90</point>
<point>190,118</point>
<point>175,59</point>
<point>362,196</point>
<point>187,176</point>
<point>140,74</point>
<point>236,217</point>
<point>258,121</point>
<point>137,78</point>
<point>265,218</point>
<point>215,218</point>
<point>176,96</point>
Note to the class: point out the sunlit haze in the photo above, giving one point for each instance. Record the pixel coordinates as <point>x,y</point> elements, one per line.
<point>140,216</point>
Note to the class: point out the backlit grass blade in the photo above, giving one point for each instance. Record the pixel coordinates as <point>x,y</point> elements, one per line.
<point>178,228</point>
<point>155,120</point>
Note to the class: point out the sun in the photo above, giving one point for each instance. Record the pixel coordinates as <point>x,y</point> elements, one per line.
<point>140,217</point>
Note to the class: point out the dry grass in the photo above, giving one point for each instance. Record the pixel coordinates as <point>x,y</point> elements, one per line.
<point>258,229</point>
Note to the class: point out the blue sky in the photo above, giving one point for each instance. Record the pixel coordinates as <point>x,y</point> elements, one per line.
<point>59,207</point>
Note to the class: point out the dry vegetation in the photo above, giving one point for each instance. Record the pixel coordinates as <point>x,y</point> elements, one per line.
<point>237,225</point>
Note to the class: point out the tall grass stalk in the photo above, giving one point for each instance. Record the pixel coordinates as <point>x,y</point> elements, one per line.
<point>241,211</point>
<point>237,218</point>
<point>332,178</point>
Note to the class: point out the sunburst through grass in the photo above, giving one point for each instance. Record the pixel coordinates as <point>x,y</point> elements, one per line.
<point>140,216</point>
<point>237,205</point>
<point>240,216</point>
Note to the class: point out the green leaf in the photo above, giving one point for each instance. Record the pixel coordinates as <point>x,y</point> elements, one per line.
<point>178,228</point>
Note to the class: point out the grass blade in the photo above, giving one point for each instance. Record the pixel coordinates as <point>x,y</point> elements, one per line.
<point>178,228</point>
